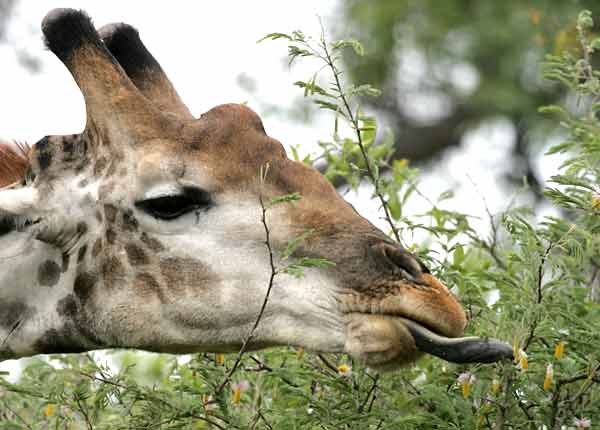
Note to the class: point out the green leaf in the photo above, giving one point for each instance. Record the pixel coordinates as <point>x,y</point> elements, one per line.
<point>352,43</point>
<point>287,198</point>
<point>295,243</point>
<point>275,36</point>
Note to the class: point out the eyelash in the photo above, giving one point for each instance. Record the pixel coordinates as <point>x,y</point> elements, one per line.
<point>170,207</point>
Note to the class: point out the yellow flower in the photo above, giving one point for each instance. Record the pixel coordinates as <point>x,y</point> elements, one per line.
<point>344,370</point>
<point>549,378</point>
<point>596,201</point>
<point>401,164</point>
<point>238,388</point>
<point>466,381</point>
<point>559,350</point>
<point>300,353</point>
<point>534,15</point>
<point>219,359</point>
<point>49,410</point>
<point>522,360</point>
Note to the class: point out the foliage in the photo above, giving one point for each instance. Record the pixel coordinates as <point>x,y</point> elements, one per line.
<point>533,281</point>
<point>449,68</point>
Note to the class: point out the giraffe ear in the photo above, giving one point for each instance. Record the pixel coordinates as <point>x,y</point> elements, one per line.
<point>112,101</point>
<point>20,201</point>
<point>124,43</point>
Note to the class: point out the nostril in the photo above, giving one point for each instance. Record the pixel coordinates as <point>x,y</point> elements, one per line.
<point>402,259</point>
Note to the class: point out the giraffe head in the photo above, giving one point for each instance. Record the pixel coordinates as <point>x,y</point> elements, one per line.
<point>145,231</point>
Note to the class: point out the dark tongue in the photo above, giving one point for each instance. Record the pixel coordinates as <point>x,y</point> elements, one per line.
<point>458,349</point>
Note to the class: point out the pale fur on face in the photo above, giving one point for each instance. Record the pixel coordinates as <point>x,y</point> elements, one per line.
<point>229,240</point>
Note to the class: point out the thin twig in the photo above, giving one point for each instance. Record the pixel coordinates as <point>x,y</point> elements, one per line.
<point>263,366</point>
<point>267,242</point>
<point>83,410</point>
<point>355,124</point>
<point>328,363</point>
<point>18,416</point>
<point>372,391</point>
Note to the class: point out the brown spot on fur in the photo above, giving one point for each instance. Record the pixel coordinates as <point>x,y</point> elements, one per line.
<point>81,253</point>
<point>136,255</point>
<point>98,215</point>
<point>48,273</point>
<point>129,221</point>
<point>113,272</point>
<point>111,169</point>
<point>110,212</point>
<point>97,248</point>
<point>182,272</point>
<point>146,284</point>
<point>66,259</point>
<point>82,228</point>
<point>84,285</point>
<point>54,341</point>
<point>151,243</point>
<point>67,306</point>
<point>100,165</point>
<point>11,312</point>
<point>123,172</point>
<point>111,236</point>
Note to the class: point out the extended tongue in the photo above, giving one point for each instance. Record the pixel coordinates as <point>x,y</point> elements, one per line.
<point>459,349</point>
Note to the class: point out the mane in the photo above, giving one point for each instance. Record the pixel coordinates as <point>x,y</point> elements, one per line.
<point>14,162</point>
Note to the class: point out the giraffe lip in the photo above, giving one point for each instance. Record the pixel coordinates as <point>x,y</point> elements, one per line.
<point>469,349</point>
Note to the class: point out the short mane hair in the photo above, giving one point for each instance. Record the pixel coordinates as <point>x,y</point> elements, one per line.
<point>14,161</point>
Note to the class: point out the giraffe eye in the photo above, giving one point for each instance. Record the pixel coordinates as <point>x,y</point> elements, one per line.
<point>173,206</point>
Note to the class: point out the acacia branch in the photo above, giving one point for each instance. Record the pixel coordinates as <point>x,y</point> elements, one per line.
<point>240,353</point>
<point>354,121</point>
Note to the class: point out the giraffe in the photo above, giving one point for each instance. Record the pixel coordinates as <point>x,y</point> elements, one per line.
<point>144,231</point>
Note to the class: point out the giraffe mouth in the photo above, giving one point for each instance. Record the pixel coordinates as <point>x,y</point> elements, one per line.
<point>386,342</point>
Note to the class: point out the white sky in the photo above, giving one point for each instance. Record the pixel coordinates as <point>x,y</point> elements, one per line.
<point>204,47</point>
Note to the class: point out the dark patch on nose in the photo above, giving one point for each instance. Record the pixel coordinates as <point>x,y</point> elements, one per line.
<point>110,212</point>
<point>44,153</point>
<point>151,243</point>
<point>48,273</point>
<point>11,312</point>
<point>145,284</point>
<point>84,285</point>
<point>81,253</point>
<point>136,255</point>
<point>113,272</point>
<point>83,183</point>
<point>129,221</point>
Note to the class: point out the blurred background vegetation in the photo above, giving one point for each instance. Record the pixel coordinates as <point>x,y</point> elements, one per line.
<point>446,67</point>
